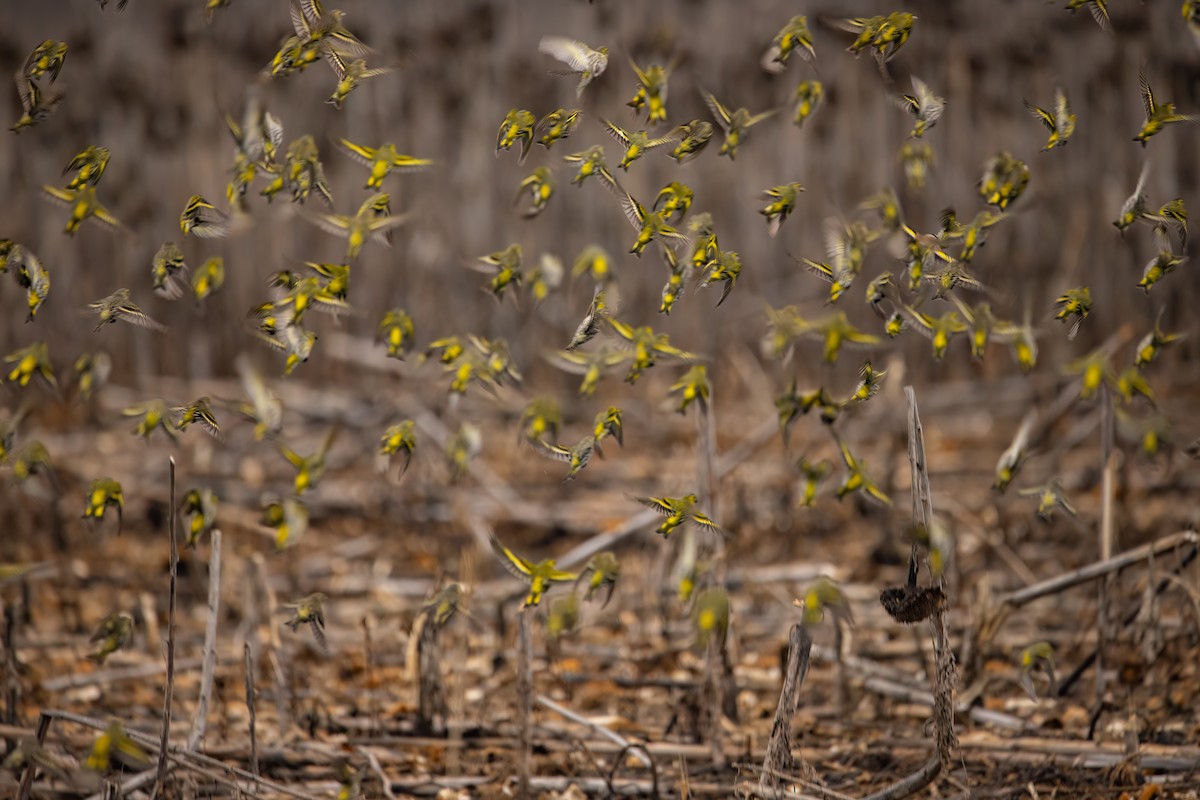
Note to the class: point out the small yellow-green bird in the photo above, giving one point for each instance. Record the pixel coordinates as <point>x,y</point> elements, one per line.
<point>541,418</point>
<point>678,510</point>
<point>580,59</point>
<point>309,610</point>
<point>868,386</point>
<point>636,144</point>
<point>200,505</point>
<point>201,218</point>
<point>725,268</point>
<point>114,633</point>
<point>650,225</point>
<point>118,306</point>
<point>152,414</point>
<point>809,96</point>
<point>693,387</point>
<point>1037,657</point>
<point>399,438</point>
<point>645,345</point>
<point>562,619</point>
<point>973,234</point>
<point>382,161</point>
<point>675,200</point>
<point>540,576</point>
<point>91,372</point>
<point>923,104</point>
<point>939,330</point>
<point>595,262</point>
<point>1095,370</point>
<point>264,408</point>
<point>577,457</point>
<point>32,276</point>
<point>115,744</point>
<point>602,572</point>
<point>309,469</point>
<point>442,607</point>
<point>856,479</point>
<point>47,58</point>
<point>677,274</point>
<point>294,341</point>
<point>1075,303</point>
<point>1153,342</point>
<point>558,124</point>
<point>1050,496</point>
<point>916,157</point>
<point>396,332</point>
<point>1014,456</point>
<point>820,596</point>
<point>36,104</point>
<point>83,205</point>
<point>208,278</point>
<point>1004,180</point>
<point>608,423</point>
<point>1131,381</point>
<point>736,124</point>
<point>518,125</point>
<point>102,493</point>
<point>591,162</point>
<point>693,137</point>
<point>462,448</point>
<point>373,220</point>
<point>836,331</point>
<point>1158,267</point>
<point>781,202</point>
<point>813,474</point>
<point>168,263</point>
<point>505,268</point>
<point>591,366</point>
<point>200,412</point>
<point>356,72</point>
<point>302,173</point>
<point>30,361</point>
<point>792,37</point>
<point>711,617</point>
<point>88,166</point>
<point>651,92</point>
<point>288,517</point>
<point>1158,116</point>
<point>539,185</point>
<point>1098,9</point>
<point>1060,122</point>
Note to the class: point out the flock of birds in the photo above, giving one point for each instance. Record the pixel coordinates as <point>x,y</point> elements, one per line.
<point>935,272</point>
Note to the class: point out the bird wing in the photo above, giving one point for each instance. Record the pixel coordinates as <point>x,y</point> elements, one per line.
<point>719,111</point>
<point>571,52</point>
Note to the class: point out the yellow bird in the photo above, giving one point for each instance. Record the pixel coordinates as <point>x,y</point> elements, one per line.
<point>153,414</point>
<point>310,469</point>
<point>1075,303</point>
<point>939,330</point>
<point>355,73</point>
<point>645,345</point>
<point>579,58</point>
<point>923,104</point>
<point>200,506</point>
<point>539,185</point>
<point>693,137</point>
<point>677,511</point>
<point>309,610</point>
<point>1151,345</point>
<point>1158,116</point>
<point>591,162</point>
<point>736,124</point>
<point>809,97</point>
<point>83,205</point>
<point>602,572</point>
<point>114,633</point>
<point>118,306</point>
<point>1060,122</point>
<point>201,218</point>
<point>30,361</point>
<point>820,596</point>
<point>558,124</point>
<point>636,144</point>
<point>518,125</point>
<point>540,576</point>
<point>781,203</point>
<point>167,265</point>
<point>383,161</point>
<point>792,37</point>
<point>693,387</point>
<point>856,479</point>
<point>47,58</point>
<point>399,438</point>
<point>652,91</point>
<point>88,166</point>
<point>396,332</point>
<point>1050,496</point>
<point>373,220</point>
<point>1014,456</point>
<point>102,493</point>
<point>288,517</point>
<point>576,457</point>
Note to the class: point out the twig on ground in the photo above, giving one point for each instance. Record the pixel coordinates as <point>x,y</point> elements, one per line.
<point>377,768</point>
<point>613,737</point>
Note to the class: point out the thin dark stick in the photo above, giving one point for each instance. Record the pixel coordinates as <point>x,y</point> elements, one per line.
<point>369,662</point>
<point>200,722</point>
<point>1108,532</point>
<point>166,723</point>
<point>248,656</point>
<point>43,727</point>
<point>525,700</point>
<point>12,685</point>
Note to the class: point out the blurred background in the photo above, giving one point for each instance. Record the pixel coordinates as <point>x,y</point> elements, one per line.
<point>153,84</point>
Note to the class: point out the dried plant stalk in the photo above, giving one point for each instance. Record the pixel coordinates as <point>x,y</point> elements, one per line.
<point>200,722</point>
<point>779,759</point>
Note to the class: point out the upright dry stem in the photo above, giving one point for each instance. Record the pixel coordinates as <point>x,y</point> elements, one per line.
<point>779,760</point>
<point>1108,532</point>
<point>200,721</point>
<point>161,777</point>
<point>248,655</point>
<point>525,701</point>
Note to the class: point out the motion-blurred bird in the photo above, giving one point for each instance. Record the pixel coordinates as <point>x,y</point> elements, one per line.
<point>309,610</point>
<point>118,306</point>
<point>674,200</point>
<point>677,511</point>
<point>1050,496</point>
<point>602,572</point>
<point>208,278</point>
<point>83,205</point>
<point>442,607</point>
<point>382,161</point>
<point>820,596</point>
<point>857,480</point>
<point>31,275</point>
<point>1004,180</point>
<point>922,104</point>
<point>102,493</point>
<point>29,361</point>
<point>539,185</point>
<point>591,162</point>
<point>1152,344</point>
<point>591,366</point>
<point>1157,268</point>
<point>541,418</point>
<point>1098,9</point>
<point>792,37</point>
<point>263,408</point>
<point>813,475</point>
<point>167,265</point>
<point>518,126</point>
<point>200,506</point>
<point>373,220</point>
<point>650,225</point>
<point>36,104</point>
<point>198,412</point>
<point>288,517</point>
<point>88,165</point>
<point>939,330</point>
<point>1074,303</point>
<point>152,415</point>
<point>114,633</point>
<point>46,59</point>
<point>637,143</point>
<point>711,617</point>
<point>540,576</point>
<point>577,456</point>
<point>201,218</point>
<point>355,73</point>
<point>916,157</point>
<point>310,468</point>
<point>580,59</point>
<point>736,124</point>
<point>114,746</point>
<point>724,268</point>
<point>608,423</point>
<point>1014,456</point>
<point>693,387</point>
<point>396,332</point>
<point>781,202</point>
<point>651,92</point>
<point>693,137</point>
<point>401,439</point>
<point>646,345</point>
<point>1158,116</point>
<point>809,97</point>
<point>558,124</point>
<point>1060,122</point>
